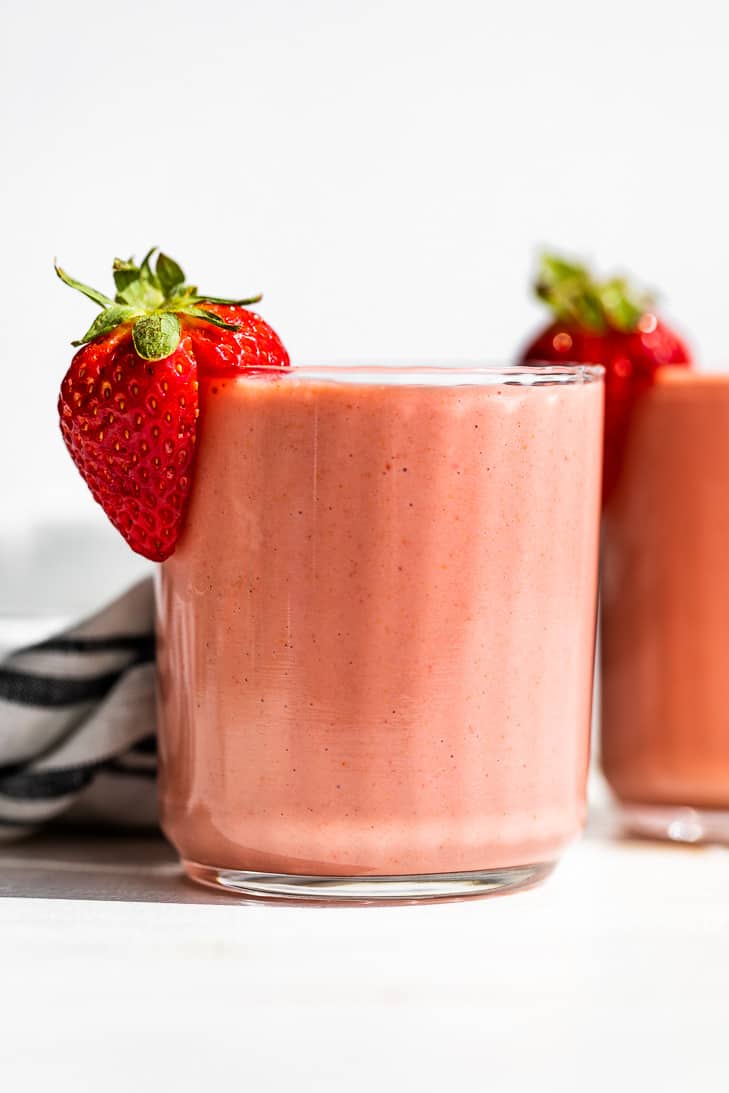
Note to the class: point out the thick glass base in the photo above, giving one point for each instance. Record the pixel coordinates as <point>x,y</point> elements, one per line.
<point>419,888</point>
<point>677,823</point>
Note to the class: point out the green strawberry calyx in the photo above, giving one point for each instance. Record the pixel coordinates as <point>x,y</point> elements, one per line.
<point>152,300</point>
<point>576,297</point>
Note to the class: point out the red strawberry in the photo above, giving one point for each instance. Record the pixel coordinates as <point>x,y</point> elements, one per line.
<point>129,401</point>
<point>604,323</point>
<point>251,344</point>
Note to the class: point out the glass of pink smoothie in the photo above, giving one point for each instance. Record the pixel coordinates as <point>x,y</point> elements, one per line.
<point>376,632</point>
<point>665,612</point>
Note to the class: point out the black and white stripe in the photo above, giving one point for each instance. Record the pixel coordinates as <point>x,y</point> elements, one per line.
<point>77,722</point>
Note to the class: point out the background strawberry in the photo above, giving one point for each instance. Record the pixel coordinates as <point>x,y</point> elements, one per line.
<point>129,404</point>
<point>608,323</point>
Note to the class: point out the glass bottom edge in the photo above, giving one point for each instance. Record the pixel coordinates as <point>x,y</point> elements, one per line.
<point>674,823</point>
<point>413,888</point>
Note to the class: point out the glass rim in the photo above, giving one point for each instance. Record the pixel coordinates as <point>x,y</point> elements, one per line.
<point>535,373</point>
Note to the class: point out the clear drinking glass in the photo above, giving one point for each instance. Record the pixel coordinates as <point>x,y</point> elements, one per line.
<point>665,613</point>
<point>376,632</point>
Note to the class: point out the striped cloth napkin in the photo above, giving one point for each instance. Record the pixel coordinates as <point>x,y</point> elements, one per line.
<point>77,723</point>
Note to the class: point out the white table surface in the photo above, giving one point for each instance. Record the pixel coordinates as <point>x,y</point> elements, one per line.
<point>117,975</point>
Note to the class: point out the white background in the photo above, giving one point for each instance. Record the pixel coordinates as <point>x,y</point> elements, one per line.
<point>385,172</point>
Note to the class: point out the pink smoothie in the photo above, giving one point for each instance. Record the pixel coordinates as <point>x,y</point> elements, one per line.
<point>665,599</point>
<point>376,632</point>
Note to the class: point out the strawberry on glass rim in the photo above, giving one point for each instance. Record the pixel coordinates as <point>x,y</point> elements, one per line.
<point>608,323</point>
<point>129,403</point>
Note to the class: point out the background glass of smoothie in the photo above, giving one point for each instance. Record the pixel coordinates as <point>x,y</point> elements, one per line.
<point>377,631</point>
<point>665,612</point>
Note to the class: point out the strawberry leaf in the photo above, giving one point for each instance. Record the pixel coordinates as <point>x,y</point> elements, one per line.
<point>169,275</point>
<point>97,297</point>
<point>231,303</point>
<point>140,292</point>
<point>154,299</point>
<point>156,336</point>
<point>210,317</point>
<point>623,308</point>
<point>145,268</point>
<point>576,297</point>
<point>106,321</point>
<point>570,292</point>
<point>125,274</point>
